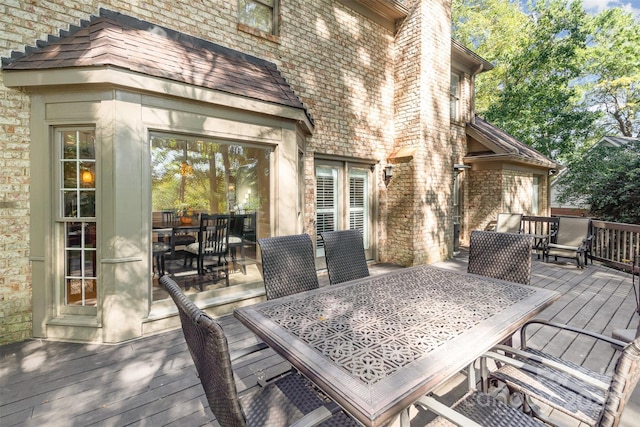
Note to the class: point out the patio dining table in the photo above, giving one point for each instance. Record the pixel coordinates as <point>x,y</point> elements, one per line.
<point>376,345</point>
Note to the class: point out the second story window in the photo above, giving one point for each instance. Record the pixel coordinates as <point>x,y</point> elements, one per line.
<point>454,97</point>
<point>259,14</point>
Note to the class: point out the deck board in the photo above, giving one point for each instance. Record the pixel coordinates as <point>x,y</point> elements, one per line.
<point>152,380</point>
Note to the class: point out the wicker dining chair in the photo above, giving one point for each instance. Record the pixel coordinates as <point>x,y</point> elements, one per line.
<point>345,256</point>
<point>288,265</point>
<point>475,409</point>
<point>505,256</point>
<point>556,384</point>
<point>280,402</point>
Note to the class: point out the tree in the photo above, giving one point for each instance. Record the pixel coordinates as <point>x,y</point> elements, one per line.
<point>613,65</point>
<point>538,102</point>
<point>605,180</point>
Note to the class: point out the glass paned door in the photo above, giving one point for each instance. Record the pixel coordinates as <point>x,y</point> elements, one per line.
<point>343,201</point>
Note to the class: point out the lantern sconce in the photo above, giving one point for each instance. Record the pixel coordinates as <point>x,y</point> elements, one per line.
<point>460,168</point>
<point>387,172</point>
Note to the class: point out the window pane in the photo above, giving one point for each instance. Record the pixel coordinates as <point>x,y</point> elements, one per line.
<point>80,264</point>
<point>70,171</point>
<point>69,145</point>
<point>87,204</point>
<point>191,176</point>
<point>256,14</point>
<point>326,203</point>
<point>359,203</point>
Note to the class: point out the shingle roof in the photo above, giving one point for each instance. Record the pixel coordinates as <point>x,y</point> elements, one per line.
<point>113,39</point>
<point>502,144</point>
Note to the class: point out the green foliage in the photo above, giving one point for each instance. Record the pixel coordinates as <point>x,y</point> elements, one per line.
<point>609,178</point>
<point>562,78</point>
<point>613,59</point>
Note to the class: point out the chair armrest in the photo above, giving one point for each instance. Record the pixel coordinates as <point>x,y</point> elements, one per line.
<point>236,354</point>
<point>601,385</point>
<point>557,246</point>
<point>318,415</point>
<point>523,339</point>
<point>443,410</point>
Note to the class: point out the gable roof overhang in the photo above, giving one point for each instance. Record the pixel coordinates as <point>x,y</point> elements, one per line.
<point>387,13</point>
<point>502,147</point>
<point>463,57</point>
<point>121,51</point>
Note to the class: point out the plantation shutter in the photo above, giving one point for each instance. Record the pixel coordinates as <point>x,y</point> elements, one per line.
<point>326,202</point>
<point>358,203</point>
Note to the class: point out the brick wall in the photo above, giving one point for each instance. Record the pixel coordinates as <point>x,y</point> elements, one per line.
<point>490,192</point>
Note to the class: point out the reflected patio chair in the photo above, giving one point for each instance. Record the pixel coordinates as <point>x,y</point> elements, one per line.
<point>280,402</point>
<point>212,244</point>
<point>557,384</point>
<point>504,256</point>
<point>572,240</point>
<point>177,238</point>
<point>345,256</point>
<point>509,223</point>
<point>288,265</point>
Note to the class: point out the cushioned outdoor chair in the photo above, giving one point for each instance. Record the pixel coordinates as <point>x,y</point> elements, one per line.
<point>509,223</point>
<point>503,256</point>
<point>344,254</point>
<point>281,402</point>
<point>554,384</point>
<point>572,240</point>
<point>288,265</point>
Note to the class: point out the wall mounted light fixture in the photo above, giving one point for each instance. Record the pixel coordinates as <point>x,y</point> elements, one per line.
<point>388,172</point>
<point>460,167</point>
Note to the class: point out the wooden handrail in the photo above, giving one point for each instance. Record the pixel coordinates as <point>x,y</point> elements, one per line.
<point>613,243</point>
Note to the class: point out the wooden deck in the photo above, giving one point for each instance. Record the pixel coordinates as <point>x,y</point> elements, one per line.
<point>152,381</point>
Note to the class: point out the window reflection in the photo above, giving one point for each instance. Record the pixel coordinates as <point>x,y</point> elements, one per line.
<point>191,176</point>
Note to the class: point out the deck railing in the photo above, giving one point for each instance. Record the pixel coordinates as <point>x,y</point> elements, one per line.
<point>613,243</point>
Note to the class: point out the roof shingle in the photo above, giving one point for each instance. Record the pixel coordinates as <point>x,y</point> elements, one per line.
<point>113,39</point>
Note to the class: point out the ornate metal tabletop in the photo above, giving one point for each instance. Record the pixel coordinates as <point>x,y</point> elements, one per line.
<point>372,343</point>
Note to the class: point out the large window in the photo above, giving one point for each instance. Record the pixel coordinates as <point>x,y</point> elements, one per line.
<point>342,200</point>
<point>190,177</point>
<point>77,211</point>
<point>259,14</point>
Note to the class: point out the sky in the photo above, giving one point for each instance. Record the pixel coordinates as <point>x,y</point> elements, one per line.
<point>599,5</point>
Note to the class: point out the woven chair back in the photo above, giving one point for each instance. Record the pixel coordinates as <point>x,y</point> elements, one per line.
<point>210,353</point>
<point>508,223</point>
<point>505,256</point>
<point>624,381</point>
<point>344,254</point>
<point>288,265</point>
